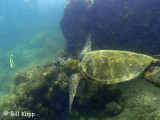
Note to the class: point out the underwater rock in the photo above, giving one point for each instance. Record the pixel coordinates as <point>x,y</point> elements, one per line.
<point>117,25</point>
<point>140,100</point>
<point>113,108</point>
<point>44,91</point>
<point>41,90</point>
<point>51,73</point>
<point>20,78</point>
<point>62,81</point>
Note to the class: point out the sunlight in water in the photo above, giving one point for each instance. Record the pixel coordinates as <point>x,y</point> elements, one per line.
<point>47,5</point>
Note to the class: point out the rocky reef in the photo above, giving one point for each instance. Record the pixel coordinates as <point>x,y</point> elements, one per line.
<point>43,91</point>
<point>118,25</point>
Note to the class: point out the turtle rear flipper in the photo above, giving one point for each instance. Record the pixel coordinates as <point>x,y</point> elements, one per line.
<point>73,83</point>
<point>153,75</point>
<point>156,56</point>
<point>156,59</point>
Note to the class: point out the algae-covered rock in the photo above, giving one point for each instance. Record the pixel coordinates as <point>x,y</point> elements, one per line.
<point>112,108</point>
<point>20,78</point>
<point>62,80</point>
<point>139,99</point>
<point>121,25</point>
<point>43,90</point>
<point>36,90</point>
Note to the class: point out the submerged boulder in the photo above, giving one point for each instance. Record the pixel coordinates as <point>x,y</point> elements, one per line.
<point>121,25</point>
<point>43,90</point>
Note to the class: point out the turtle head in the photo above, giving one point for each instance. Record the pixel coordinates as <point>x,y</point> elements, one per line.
<point>60,61</point>
<point>65,62</point>
<point>152,74</point>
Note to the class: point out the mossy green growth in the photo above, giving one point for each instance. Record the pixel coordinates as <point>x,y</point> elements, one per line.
<point>42,48</point>
<point>33,89</point>
<point>38,37</point>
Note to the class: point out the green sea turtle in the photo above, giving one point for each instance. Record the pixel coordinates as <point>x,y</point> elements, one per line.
<point>110,67</point>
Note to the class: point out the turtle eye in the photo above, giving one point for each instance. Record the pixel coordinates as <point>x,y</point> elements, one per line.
<point>56,61</point>
<point>80,59</point>
<point>151,69</point>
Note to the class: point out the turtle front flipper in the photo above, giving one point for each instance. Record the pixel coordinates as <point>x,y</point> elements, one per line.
<point>87,47</point>
<point>153,75</point>
<point>73,83</point>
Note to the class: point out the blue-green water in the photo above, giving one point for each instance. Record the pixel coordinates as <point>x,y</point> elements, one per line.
<point>29,29</point>
<point>32,81</point>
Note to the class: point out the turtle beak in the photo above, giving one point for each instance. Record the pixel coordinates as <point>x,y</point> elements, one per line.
<point>57,61</point>
<point>60,61</point>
